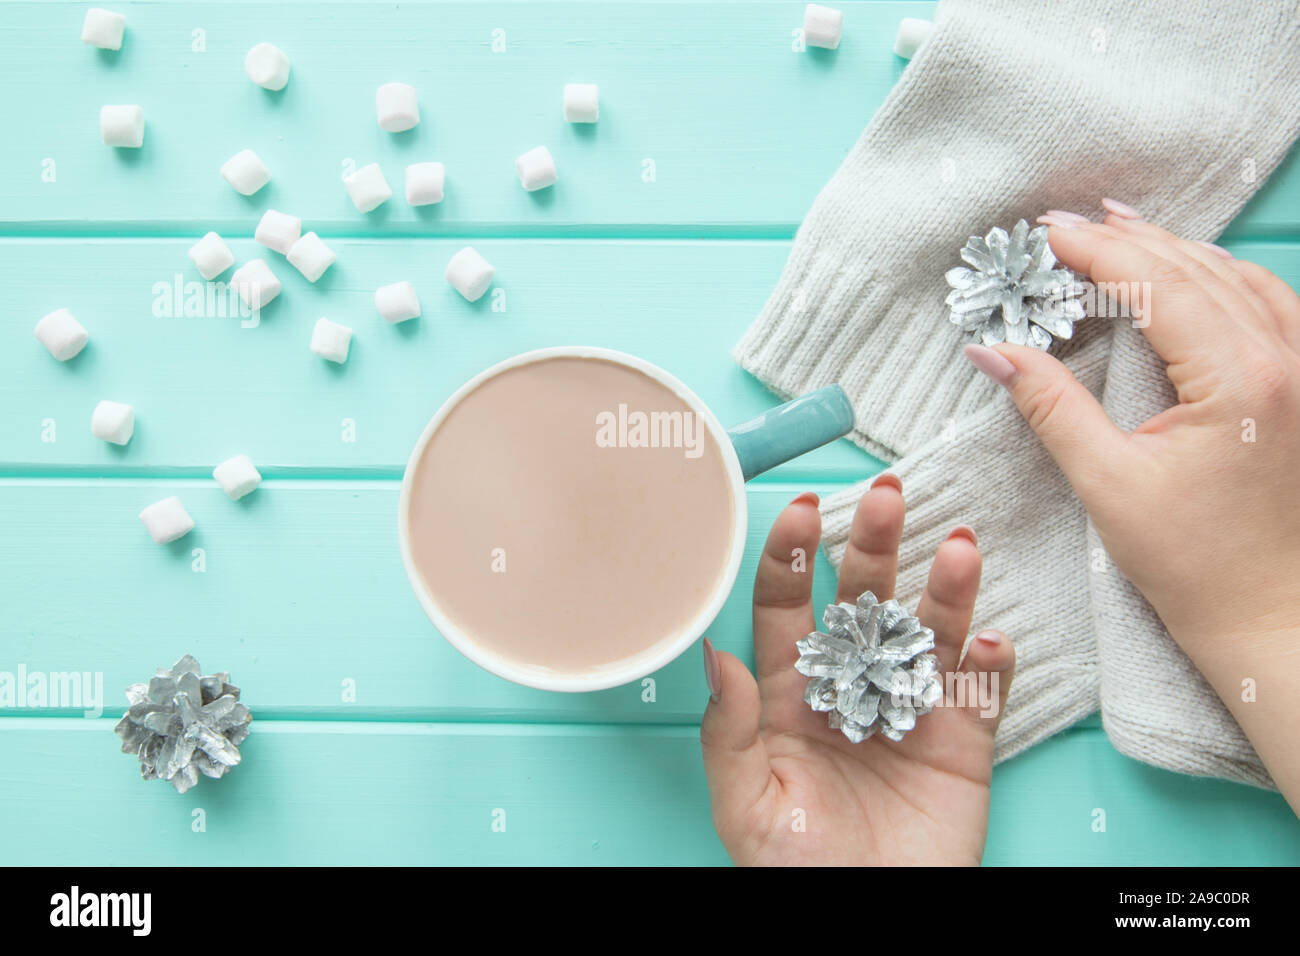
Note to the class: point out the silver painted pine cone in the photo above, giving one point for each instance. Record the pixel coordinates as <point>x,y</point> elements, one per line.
<point>1012,292</point>
<point>873,671</point>
<point>181,725</point>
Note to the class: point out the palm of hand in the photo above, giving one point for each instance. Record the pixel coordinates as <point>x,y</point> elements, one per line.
<point>921,802</point>
<point>786,789</point>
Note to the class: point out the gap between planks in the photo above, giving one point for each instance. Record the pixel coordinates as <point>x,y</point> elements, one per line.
<point>774,232</point>
<point>424,726</point>
<point>287,475</point>
<point>580,232</point>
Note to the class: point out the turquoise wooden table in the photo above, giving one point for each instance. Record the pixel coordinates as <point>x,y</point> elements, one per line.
<point>374,741</point>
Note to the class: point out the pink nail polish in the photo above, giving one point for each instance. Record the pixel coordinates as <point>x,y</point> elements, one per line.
<point>991,638</point>
<point>712,672</point>
<point>993,364</point>
<point>1060,223</point>
<point>1068,216</point>
<point>808,497</point>
<point>964,531</point>
<point>1219,251</point>
<point>1121,209</point>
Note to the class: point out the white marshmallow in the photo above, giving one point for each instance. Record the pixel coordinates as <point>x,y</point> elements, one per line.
<point>122,126</point>
<point>398,107</point>
<point>536,169</point>
<point>103,28</point>
<point>397,302</point>
<point>237,476</point>
<point>255,283</point>
<point>246,172</point>
<point>368,187</point>
<point>113,421</point>
<point>581,103</point>
<point>822,26</point>
<point>469,273</point>
<point>62,334</point>
<point>267,66</point>
<point>278,230</point>
<point>167,520</point>
<point>330,340</point>
<point>424,183</point>
<point>911,34</point>
<point>310,256</point>
<point>211,256</point>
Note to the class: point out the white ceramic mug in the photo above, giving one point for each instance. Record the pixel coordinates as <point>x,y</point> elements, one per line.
<point>778,435</point>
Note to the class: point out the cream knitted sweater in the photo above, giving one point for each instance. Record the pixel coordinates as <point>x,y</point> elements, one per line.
<point>1179,107</point>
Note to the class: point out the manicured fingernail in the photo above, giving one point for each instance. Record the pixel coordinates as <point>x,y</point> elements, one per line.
<point>1073,217</point>
<point>964,531</point>
<point>885,478</point>
<point>993,364</point>
<point>1121,209</point>
<point>1219,251</point>
<point>807,498</point>
<point>991,638</point>
<point>1058,221</point>
<point>712,672</point>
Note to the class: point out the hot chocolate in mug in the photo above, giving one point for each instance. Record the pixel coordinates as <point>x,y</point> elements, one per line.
<point>573,518</point>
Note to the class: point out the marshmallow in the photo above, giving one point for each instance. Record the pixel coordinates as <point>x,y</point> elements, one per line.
<point>246,172</point>
<point>424,182</point>
<point>267,66</point>
<point>330,340</point>
<point>469,273</point>
<point>211,256</point>
<point>398,107</point>
<point>237,476</point>
<point>536,169</point>
<point>103,28</point>
<point>311,257</point>
<point>278,230</point>
<point>167,520</point>
<point>581,103</point>
<point>62,334</point>
<point>911,34</point>
<point>255,283</point>
<point>822,26</point>
<point>368,187</point>
<point>113,421</point>
<point>122,126</point>
<point>397,302</point>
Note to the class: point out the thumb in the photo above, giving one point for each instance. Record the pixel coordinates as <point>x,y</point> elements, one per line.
<point>735,759</point>
<point>1070,422</point>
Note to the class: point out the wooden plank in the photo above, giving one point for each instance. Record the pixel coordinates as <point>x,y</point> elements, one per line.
<point>742,130</point>
<point>302,590</point>
<point>380,793</point>
<point>205,388</point>
<point>714,95</point>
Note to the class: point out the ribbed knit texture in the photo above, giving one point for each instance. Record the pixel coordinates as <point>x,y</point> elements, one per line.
<point>1179,107</point>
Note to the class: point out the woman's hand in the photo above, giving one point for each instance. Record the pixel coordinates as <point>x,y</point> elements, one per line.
<point>1197,506</point>
<point>785,788</point>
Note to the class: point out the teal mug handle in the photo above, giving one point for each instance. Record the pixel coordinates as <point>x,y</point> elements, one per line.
<point>792,429</point>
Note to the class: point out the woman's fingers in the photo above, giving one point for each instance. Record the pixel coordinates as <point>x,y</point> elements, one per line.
<point>735,759</point>
<point>949,597</point>
<point>980,686</point>
<point>1231,291</point>
<point>783,611</point>
<point>871,555</point>
<point>1170,303</point>
<point>1070,422</point>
